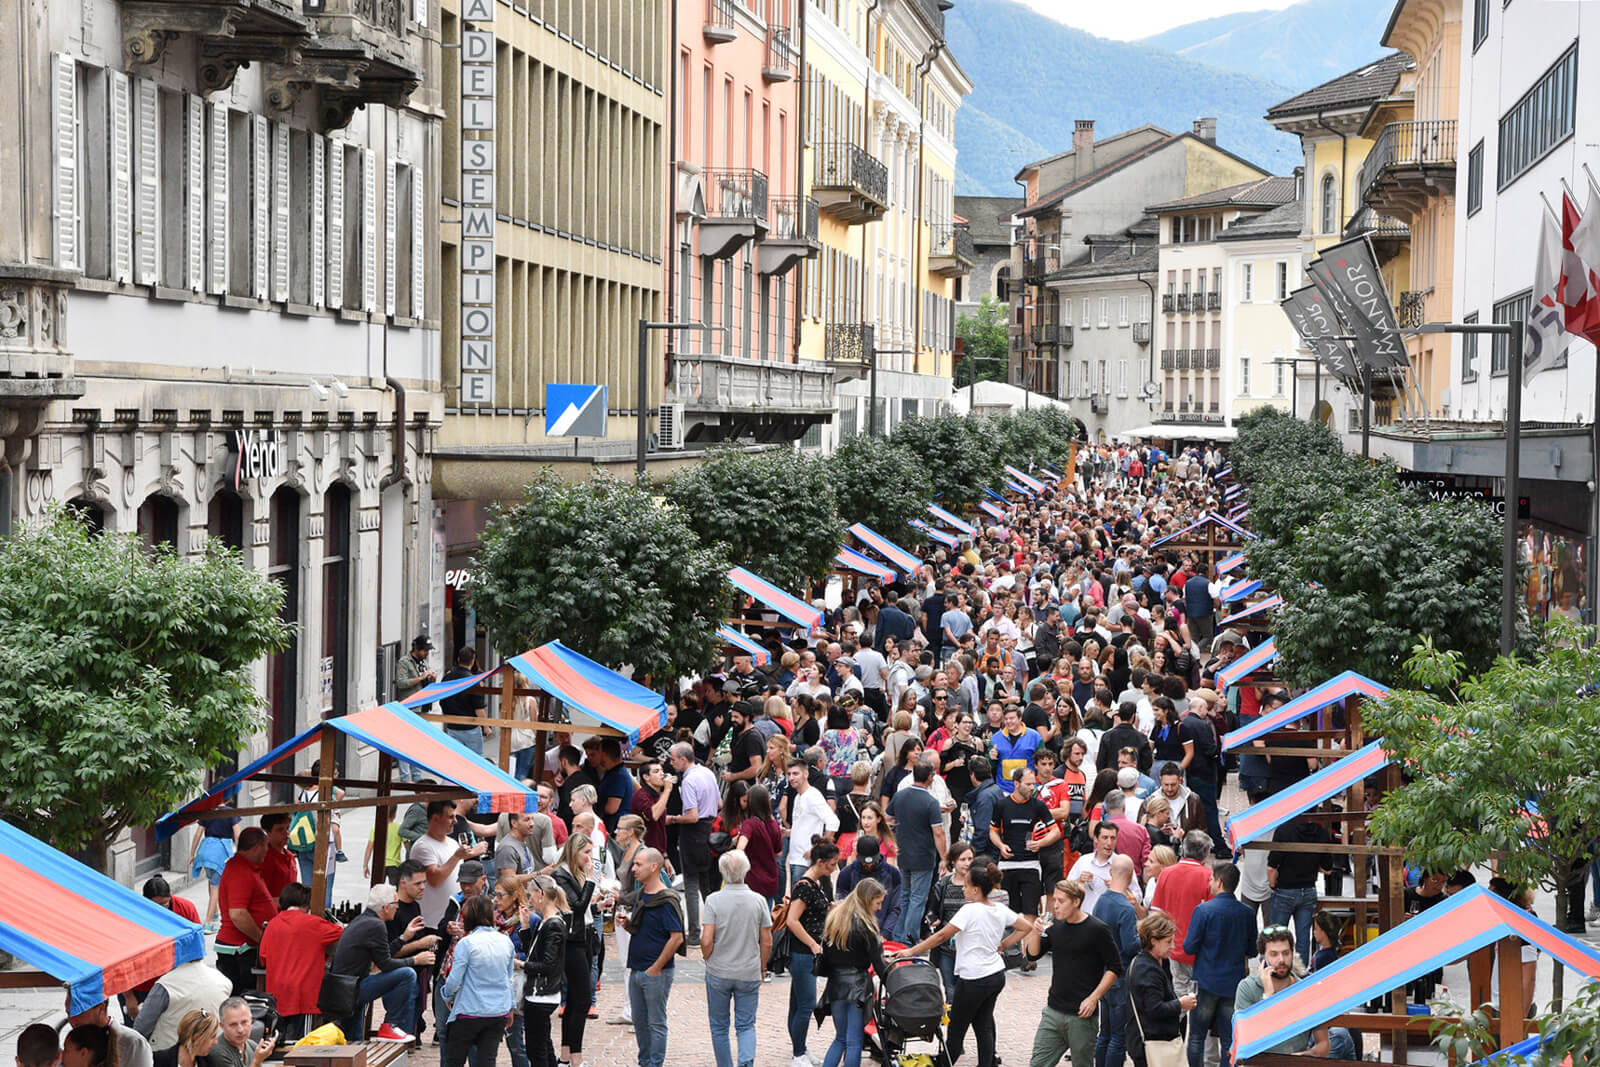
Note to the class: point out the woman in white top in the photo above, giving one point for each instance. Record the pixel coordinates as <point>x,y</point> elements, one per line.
<point>982,931</point>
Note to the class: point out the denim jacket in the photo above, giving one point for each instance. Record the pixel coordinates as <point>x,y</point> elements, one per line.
<point>479,983</point>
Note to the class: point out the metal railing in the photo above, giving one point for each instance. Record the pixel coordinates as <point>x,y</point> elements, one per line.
<point>1213,301</point>
<point>1213,358</point>
<point>1169,302</point>
<point>949,239</point>
<point>1379,227</point>
<point>848,342</point>
<point>736,194</point>
<point>1412,311</point>
<point>843,165</point>
<point>719,19</point>
<point>1048,333</point>
<point>1168,359</point>
<point>792,218</point>
<point>1183,359</point>
<point>1411,146</point>
<point>707,382</point>
<point>1183,301</point>
<point>780,52</point>
<point>1141,333</point>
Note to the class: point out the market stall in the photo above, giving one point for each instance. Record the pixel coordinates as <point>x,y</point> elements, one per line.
<point>906,563</point>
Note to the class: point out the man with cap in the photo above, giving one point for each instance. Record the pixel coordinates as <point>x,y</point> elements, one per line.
<point>869,863</point>
<point>749,747</point>
<point>410,675</point>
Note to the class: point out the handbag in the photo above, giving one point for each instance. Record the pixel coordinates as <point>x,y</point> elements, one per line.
<point>338,995</point>
<point>1170,1053</point>
<point>720,842</point>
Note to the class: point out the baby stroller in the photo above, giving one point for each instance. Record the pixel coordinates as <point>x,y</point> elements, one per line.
<point>909,1006</point>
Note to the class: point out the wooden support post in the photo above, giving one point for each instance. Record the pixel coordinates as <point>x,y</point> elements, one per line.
<point>381,819</point>
<point>508,707</point>
<point>319,870</point>
<point>1513,997</point>
<point>1480,965</point>
<point>541,740</point>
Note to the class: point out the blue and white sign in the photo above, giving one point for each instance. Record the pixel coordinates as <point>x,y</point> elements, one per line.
<point>574,410</point>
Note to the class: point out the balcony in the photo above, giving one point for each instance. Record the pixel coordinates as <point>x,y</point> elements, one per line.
<point>1183,359</point>
<point>1169,302</point>
<point>1168,359</point>
<point>1213,359</point>
<point>747,399</point>
<point>1409,163</point>
<point>1183,302</point>
<point>1412,312</point>
<point>779,65</point>
<point>1389,235</point>
<point>951,251</point>
<point>793,234</point>
<point>850,185</point>
<point>1052,333</point>
<point>1213,301</point>
<point>720,27</point>
<point>36,366</point>
<point>849,348</point>
<point>1141,333</point>
<point>1099,404</point>
<point>227,36</point>
<point>364,53</point>
<point>736,211</point>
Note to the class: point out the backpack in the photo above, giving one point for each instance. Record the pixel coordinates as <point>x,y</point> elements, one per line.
<point>303,832</point>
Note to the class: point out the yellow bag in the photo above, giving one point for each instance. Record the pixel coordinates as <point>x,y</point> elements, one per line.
<point>323,1035</point>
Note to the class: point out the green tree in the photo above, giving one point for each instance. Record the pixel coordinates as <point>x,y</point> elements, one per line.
<point>1036,435</point>
<point>880,484</point>
<point>1272,443</point>
<point>960,453</point>
<point>611,571</point>
<point>125,673</point>
<point>774,511</point>
<point>1286,503</point>
<point>986,339</point>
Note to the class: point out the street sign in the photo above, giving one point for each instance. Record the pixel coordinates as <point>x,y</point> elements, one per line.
<point>575,410</point>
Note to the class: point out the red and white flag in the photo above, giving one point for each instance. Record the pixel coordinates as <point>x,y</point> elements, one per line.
<point>1545,336</point>
<point>1580,267</point>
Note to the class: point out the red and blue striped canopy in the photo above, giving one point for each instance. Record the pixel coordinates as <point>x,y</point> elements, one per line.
<point>849,558</point>
<point>905,562</point>
<point>1026,479</point>
<point>1239,514</point>
<point>758,655</point>
<point>954,521</point>
<point>1225,471</point>
<point>949,540</point>
<point>92,934</point>
<point>993,510</point>
<point>1256,821</point>
<point>1211,518</point>
<point>792,608</point>
<point>394,729</point>
<point>1255,609</point>
<point>1055,475</point>
<point>591,691</point>
<point>1232,491</point>
<point>1468,921</point>
<point>1018,487</point>
<point>1231,563</point>
<point>1249,663</point>
<point>1240,590</point>
<point>1233,525</point>
<point>1335,689</point>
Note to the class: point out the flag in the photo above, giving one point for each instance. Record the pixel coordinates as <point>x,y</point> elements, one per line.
<point>1545,338</point>
<point>1580,263</point>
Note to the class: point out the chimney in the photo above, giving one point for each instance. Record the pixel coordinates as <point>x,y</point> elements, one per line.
<point>1083,146</point>
<point>1206,130</point>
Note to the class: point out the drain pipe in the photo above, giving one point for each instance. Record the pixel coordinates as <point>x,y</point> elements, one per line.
<point>923,67</point>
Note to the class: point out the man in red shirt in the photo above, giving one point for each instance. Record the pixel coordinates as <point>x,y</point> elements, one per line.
<point>1180,889</point>
<point>280,867</point>
<point>294,952</point>
<point>246,907</point>
<point>1057,796</point>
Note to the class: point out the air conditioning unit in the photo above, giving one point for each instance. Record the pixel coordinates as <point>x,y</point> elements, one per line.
<point>669,426</point>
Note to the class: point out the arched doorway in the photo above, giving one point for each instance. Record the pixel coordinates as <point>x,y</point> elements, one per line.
<point>158,521</point>
<point>225,518</point>
<point>283,567</point>
<point>91,513</point>
<point>336,547</point>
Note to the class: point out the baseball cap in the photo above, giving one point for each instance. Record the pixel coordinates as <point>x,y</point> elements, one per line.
<point>471,871</point>
<point>1228,637</point>
<point>1127,778</point>
<point>422,643</point>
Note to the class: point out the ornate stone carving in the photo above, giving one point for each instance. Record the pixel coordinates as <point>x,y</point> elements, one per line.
<point>13,313</point>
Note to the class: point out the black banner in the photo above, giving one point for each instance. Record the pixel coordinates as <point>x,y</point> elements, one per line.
<point>1347,275</point>
<point>1316,326</point>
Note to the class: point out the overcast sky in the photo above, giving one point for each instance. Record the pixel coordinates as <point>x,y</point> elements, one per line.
<point>1128,20</point>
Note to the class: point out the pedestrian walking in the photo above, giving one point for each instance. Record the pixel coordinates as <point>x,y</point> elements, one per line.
<point>1119,908</point>
<point>851,947</point>
<point>1084,963</point>
<point>735,942</point>
<point>478,987</point>
<point>1154,1005</point>
<point>919,827</point>
<point>544,968</point>
<point>656,936</point>
<point>1222,940</point>
<point>809,900</point>
<point>701,800</point>
<point>1179,890</point>
<point>572,874</point>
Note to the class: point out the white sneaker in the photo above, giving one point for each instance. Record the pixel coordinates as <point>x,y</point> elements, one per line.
<point>801,1060</point>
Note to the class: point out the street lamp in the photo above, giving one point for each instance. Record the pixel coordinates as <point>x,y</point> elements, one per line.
<point>1316,389</point>
<point>1512,331</point>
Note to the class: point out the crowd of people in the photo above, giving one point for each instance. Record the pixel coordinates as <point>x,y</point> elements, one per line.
<point>1010,755</point>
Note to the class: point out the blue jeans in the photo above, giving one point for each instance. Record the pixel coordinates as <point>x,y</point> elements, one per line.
<point>514,1043</point>
<point>1211,1014</point>
<point>648,995</point>
<point>1302,904</point>
<point>1111,1042</point>
<point>720,994</point>
<point>914,886</point>
<point>945,957</point>
<point>797,871</point>
<point>849,1034</point>
<point>472,737</point>
<point>398,991</point>
<point>406,771</point>
<point>802,998</point>
<point>1207,792</point>
<point>1342,1044</point>
<point>308,867</point>
<point>522,767</point>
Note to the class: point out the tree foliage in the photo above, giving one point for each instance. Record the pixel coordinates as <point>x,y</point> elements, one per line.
<point>774,511</point>
<point>125,673</point>
<point>1036,435</point>
<point>1514,738</point>
<point>1286,504</point>
<point>985,337</point>
<point>960,453</point>
<point>1272,443</point>
<point>881,485</point>
<point>609,570</point>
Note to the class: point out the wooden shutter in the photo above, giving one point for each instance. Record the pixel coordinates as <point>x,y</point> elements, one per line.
<point>65,104</point>
<point>147,243</point>
<point>319,218</point>
<point>260,206</point>
<point>335,224</point>
<point>217,249</point>
<point>390,222</point>
<point>369,230</point>
<point>121,129</point>
<point>280,211</point>
<point>419,258</point>
<point>195,202</point>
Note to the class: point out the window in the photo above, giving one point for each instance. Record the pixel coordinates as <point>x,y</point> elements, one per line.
<point>1513,308</point>
<point>1244,375</point>
<point>1469,351</point>
<point>1283,280</point>
<point>1246,282</point>
<point>1475,179</point>
<point>1122,377</point>
<point>1086,312</point>
<point>1105,378</point>
<point>1480,22</point>
<point>1330,204</point>
<point>1066,311</point>
<point>1278,369</point>
<point>1083,378</point>
<point>1541,120</point>
<point>1105,312</point>
<point>1216,280</point>
<point>1122,311</point>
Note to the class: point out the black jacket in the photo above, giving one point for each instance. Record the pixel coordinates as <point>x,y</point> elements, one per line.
<point>547,957</point>
<point>1151,994</point>
<point>578,901</point>
<point>364,945</point>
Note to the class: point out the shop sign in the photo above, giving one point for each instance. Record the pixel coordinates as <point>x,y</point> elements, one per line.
<point>258,456</point>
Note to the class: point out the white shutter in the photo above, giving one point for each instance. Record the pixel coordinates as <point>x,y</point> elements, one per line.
<point>335,224</point>
<point>419,13</point>
<point>419,260</point>
<point>148,233</point>
<point>280,211</point>
<point>390,222</point>
<point>319,217</point>
<point>195,175</point>
<point>260,206</point>
<point>65,92</point>
<point>217,248</point>
<point>121,178</point>
<point>369,230</point>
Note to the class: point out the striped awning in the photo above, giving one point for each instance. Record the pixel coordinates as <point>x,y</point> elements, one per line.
<point>1335,689</point>
<point>593,692</point>
<point>905,562</point>
<point>1259,820</point>
<point>790,607</point>
<point>1018,487</point>
<point>993,510</point>
<point>953,521</point>
<point>1231,563</point>
<point>1026,479</point>
<point>949,540</point>
<point>1240,590</point>
<point>1232,491</point>
<point>1249,663</point>
<point>738,641</point>
<point>850,559</point>
<point>1255,609</point>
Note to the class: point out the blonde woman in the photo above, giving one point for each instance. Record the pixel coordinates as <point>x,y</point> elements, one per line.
<point>198,1032</point>
<point>525,708</point>
<point>630,839</point>
<point>852,945</point>
<point>573,875</point>
<point>1161,857</point>
<point>545,967</point>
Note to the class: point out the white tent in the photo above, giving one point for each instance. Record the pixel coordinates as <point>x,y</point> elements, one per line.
<point>994,398</point>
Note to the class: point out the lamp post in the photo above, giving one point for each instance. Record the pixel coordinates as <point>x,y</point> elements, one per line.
<point>1512,332</point>
<point>1316,389</point>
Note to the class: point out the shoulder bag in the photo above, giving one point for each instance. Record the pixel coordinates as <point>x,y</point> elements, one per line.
<point>1158,1053</point>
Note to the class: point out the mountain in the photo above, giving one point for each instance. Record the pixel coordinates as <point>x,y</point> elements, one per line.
<point>1033,76</point>
<point>1303,45</point>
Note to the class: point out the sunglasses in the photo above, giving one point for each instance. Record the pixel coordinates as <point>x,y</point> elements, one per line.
<point>1266,930</point>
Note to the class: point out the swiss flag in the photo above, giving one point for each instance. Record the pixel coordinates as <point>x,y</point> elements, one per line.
<point>1579,290</point>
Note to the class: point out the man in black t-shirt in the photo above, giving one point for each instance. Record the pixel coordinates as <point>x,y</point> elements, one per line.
<point>1293,876</point>
<point>1021,827</point>
<point>1084,964</point>
<point>749,745</point>
<point>1201,761</point>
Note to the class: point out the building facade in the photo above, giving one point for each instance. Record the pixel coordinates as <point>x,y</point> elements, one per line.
<point>992,222</point>
<point>219,303</point>
<point>1264,255</point>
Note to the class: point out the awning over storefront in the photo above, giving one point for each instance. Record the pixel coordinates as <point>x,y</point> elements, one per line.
<point>82,929</point>
<point>903,561</point>
<point>1232,491</point>
<point>1240,590</point>
<point>1255,609</point>
<point>949,540</point>
<point>396,730</point>
<point>1335,689</point>
<point>1259,820</point>
<point>591,691</point>
<point>850,559</point>
<point>993,510</point>
<point>792,608</point>
<point>1249,663</point>
<point>1231,564</point>
<point>1469,920</point>
<point>1026,479</point>
<point>953,521</point>
<point>758,655</point>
